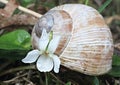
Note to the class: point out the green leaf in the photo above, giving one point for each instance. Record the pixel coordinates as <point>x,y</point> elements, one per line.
<point>96,81</point>
<point>18,39</point>
<point>13,55</point>
<point>49,4</point>
<point>68,83</point>
<point>115,72</point>
<point>104,5</point>
<point>25,3</point>
<point>116,60</point>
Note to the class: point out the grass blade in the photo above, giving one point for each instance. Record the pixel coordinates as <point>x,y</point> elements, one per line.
<point>104,5</point>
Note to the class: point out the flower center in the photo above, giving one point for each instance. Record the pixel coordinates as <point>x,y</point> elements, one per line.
<point>46,53</point>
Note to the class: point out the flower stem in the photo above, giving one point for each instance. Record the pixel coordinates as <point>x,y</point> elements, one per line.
<point>50,38</point>
<point>86,2</point>
<point>46,79</point>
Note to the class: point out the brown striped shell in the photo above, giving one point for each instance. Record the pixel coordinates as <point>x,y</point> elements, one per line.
<point>86,44</point>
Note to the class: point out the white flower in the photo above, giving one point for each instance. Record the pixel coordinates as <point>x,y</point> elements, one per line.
<point>46,59</point>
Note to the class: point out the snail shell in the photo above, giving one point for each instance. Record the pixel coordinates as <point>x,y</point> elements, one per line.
<point>86,43</point>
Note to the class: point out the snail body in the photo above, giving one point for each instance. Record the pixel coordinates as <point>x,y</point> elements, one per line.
<point>86,43</point>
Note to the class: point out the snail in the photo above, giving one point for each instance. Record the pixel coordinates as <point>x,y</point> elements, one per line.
<point>86,43</point>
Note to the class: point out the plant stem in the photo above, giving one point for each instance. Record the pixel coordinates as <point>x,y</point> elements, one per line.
<point>24,9</point>
<point>46,78</point>
<point>86,2</point>
<point>41,81</point>
<point>50,38</point>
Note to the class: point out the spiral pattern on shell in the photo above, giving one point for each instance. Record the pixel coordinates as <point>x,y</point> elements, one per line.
<point>86,43</point>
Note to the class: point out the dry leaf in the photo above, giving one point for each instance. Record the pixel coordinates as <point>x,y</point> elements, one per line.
<point>9,9</point>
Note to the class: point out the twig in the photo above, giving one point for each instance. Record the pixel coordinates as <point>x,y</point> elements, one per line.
<point>110,19</point>
<point>30,82</point>
<point>1,32</point>
<point>17,69</point>
<point>24,9</point>
<point>57,78</point>
<point>22,19</point>
<point>14,79</point>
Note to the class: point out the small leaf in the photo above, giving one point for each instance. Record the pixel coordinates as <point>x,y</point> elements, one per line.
<point>18,39</point>
<point>116,60</point>
<point>68,83</point>
<point>115,72</point>
<point>104,5</point>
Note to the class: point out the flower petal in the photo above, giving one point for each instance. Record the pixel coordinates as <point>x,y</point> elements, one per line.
<point>44,63</point>
<point>31,56</point>
<point>53,43</point>
<point>43,41</point>
<point>56,62</point>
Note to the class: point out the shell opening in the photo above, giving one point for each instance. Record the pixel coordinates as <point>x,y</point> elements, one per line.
<point>45,22</point>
